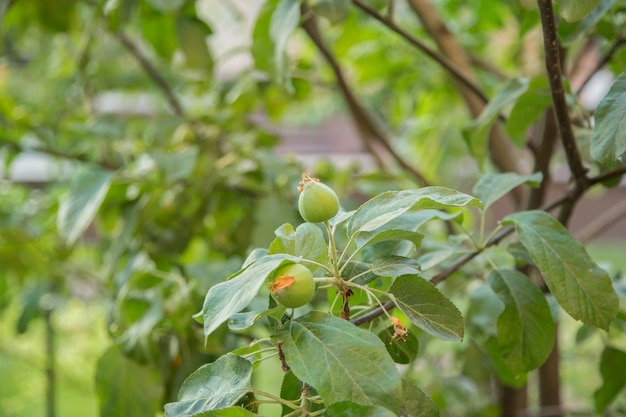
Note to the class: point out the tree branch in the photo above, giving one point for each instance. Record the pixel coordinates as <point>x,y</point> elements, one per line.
<point>365,122</point>
<point>152,72</point>
<point>57,154</point>
<point>501,150</point>
<point>441,59</point>
<point>553,68</point>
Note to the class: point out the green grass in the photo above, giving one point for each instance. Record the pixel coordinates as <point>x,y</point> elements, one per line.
<point>80,340</point>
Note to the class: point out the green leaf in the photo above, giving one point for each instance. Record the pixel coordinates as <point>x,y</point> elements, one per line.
<point>401,351</point>
<point>389,205</point>
<point>192,40</point>
<point>334,10</point>
<point>212,386</point>
<point>126,388</point>
<point>427,308</point>
<point>274,25</point>
<point>476,133</point>
<point>573,10</point>
<point>505,374</point>
<point>527,109</point>
<point>415,403</point>
<point>307,242</point>
<point>394,266</point>
<point>608,142</point>
<point>525,327</point>
<point>370,238</point>
<point>231,296</point>
<point>612,365</point>
<point>350,409</point>
<point>343,362</point>
<point>242,321</point>
<point>491,187</point>
<point>79,207</point>
<point>580,286</point>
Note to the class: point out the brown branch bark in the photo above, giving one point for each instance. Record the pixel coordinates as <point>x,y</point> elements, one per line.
<point>368,126</point>
<point>441,59</point>
<point>553,69</point>
<point>501,151</point>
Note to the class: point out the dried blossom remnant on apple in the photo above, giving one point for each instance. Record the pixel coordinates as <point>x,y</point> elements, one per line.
<point>399,331</point>
<point>317,202</point>
<point>293,285</point>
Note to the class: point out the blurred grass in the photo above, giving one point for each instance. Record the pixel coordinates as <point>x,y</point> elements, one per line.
<point>80,341</point>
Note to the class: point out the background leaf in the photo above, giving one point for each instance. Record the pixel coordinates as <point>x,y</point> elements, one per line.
<point>525,328</point>
<point>608,142</point>
<point>477,132</point>
<point>491,187</point>
<point>580,286</point>
<point>427,307</point>
<point>527,109</point>
<point>212,386</point>
<point>343,362</point>
<point>231,296</point>
<point>612,365</point>
<point>126,388</point>
<point>391,204</point>
<point>573,10</point>
<point>76,212</point>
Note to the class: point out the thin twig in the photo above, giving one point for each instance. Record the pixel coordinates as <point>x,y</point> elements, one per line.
<point>152,72</point>
<point>553,68</point>
<point>441,59</point>
<point>57,154</point>
<point>609,217</point>
<point>363,119</point>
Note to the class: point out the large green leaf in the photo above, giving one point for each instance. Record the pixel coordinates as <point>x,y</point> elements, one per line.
<point>427,307</point>
<point>491,187</point>
<point>476,133</point>
<point>126,388</point>
<point>231,296</point>
<point>525,327</point>
<point>394,266</point>
<point>608,142</point>
<point>573,10</point>
<point>612,366</point>
<point>415,403</point>
<point>390,234</point>
<point>79,207</point>
<point>589,22</point>
<point>307,242</point>
<point>212,386</point>
<point>580,286</point>
<point>391,204</point>
<point>343,362</point>
<point>350,409</point>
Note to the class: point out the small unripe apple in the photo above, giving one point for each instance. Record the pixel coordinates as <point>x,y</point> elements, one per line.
<point>293,285</point>
<point>318,202</point>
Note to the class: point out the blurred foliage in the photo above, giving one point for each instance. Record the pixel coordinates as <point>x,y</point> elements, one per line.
<point>159,179</point>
